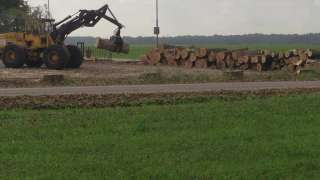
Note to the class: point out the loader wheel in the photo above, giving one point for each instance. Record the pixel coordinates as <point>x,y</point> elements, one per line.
<point>56,57</point>
<point>76,57</point>
<point>34,61</point>
<point>13,56</point>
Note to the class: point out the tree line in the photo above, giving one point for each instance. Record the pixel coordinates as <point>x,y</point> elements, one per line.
<point>216,39</point>
<point>17,15</point>
<point>232,39</point>
<point>12,13</point>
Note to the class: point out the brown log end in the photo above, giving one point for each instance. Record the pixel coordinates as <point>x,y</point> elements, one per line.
<point>185,53</point>
<point>154,56</point>
<point>259,67</point>
<point>201,52</point>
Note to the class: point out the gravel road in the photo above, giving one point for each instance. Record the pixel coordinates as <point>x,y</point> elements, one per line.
<point>154,89</point>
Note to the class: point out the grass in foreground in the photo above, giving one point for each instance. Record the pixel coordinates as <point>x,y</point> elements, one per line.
<point>256,138</point>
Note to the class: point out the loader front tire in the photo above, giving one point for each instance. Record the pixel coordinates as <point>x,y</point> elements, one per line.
<point>56,57</point>
<point>76,57</point>
<point>13,56</point>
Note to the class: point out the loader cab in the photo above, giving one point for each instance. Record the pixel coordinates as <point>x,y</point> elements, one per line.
<point>37,33</point>
<point>45,30</point>
<point>47,25</point>
<point>40,26</point>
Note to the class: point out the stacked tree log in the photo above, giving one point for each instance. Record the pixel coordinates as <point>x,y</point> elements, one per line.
<point>291,59</point>
<point>222,59</point>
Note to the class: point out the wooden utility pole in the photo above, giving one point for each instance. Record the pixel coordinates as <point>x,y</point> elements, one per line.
<point>157,28</point>
<point>49,14</point>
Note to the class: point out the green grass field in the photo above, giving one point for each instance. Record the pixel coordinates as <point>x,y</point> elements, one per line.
<point>138,50</point>
<point>255,138</point>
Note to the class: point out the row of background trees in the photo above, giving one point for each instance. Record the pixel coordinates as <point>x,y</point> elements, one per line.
<point>216,39</point>
<point>313,38</point>
<point>16,15</point>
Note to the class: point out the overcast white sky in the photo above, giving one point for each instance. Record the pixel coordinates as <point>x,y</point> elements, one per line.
<point>198,17</point>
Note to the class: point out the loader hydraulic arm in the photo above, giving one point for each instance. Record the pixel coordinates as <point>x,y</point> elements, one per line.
<point>87,18</point>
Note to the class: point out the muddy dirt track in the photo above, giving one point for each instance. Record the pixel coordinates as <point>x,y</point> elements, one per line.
<point>107,78</point>
<point>159,89</point>
<point>102,73</point>
<point>106,73</point>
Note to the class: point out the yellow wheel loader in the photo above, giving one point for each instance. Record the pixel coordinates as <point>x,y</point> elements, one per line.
<point>45,44</point>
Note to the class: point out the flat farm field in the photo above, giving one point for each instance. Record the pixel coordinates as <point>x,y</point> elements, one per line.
<point>250,138</point>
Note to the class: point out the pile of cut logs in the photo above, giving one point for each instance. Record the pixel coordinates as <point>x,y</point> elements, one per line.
<point>243,59</point>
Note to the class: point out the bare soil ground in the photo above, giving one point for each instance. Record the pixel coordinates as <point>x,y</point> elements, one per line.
<point>123,73</point>
<point>162,88</point>
<point>113,100</point>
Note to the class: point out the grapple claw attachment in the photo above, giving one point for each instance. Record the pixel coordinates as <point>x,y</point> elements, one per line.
<point>114,44</point>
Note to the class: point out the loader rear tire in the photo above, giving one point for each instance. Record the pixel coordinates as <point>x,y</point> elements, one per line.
<point>13,56</point>
<point>76,57</point>
<point>56,57</point>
